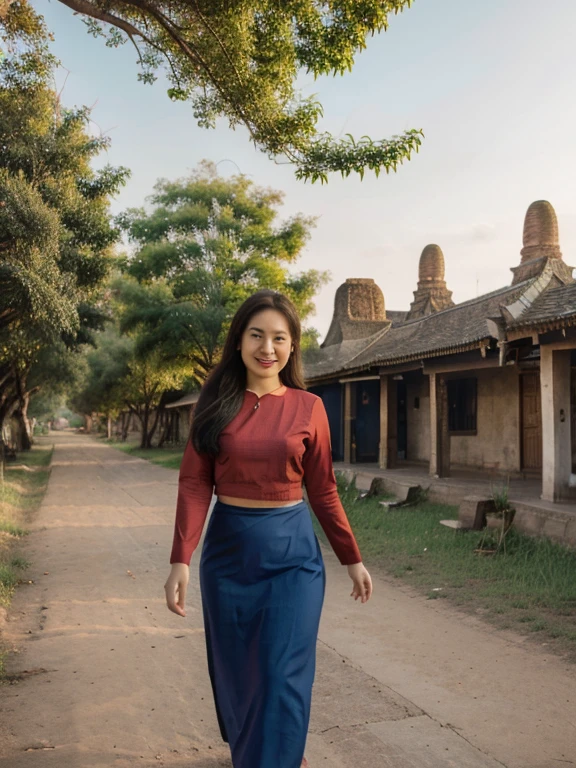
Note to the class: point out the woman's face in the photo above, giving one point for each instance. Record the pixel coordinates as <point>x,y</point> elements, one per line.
<point>266,338</point>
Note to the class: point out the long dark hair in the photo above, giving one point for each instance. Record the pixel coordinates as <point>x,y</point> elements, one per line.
<point>222,393</point>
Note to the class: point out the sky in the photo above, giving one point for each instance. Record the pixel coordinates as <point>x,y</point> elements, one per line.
<point>490,83</point>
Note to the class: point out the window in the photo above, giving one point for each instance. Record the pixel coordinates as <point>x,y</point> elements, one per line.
<point>462,405</point>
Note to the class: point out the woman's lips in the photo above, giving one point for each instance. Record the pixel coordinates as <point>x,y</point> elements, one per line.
<point>266,363</point>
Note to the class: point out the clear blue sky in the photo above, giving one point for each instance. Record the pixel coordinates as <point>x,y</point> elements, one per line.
<point>491,83</point>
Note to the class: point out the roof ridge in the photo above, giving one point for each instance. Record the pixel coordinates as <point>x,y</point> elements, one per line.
<point>378,336</point>
<point>470,302</point>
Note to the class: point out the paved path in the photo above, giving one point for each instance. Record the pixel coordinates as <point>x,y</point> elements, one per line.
<point>111,678</point>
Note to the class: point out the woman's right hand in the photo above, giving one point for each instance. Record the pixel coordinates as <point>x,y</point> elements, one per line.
<point>175,588</point>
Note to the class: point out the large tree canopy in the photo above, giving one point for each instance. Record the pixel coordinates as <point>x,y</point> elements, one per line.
<point>56,233</point>
<point>206,245</point>
<point>240,60</point>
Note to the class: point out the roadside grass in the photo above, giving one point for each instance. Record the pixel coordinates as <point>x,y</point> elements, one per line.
<point>20,495</point>
<point>530,589</point>
<point>165,457</point>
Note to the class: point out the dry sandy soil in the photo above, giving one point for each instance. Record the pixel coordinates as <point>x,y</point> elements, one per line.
<point>104,675</point>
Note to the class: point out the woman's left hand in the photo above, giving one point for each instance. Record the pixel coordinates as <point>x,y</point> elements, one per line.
<point>362,582</point>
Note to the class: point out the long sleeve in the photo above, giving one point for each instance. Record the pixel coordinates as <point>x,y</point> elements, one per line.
<point>195,487</point>
<point>322,490</point>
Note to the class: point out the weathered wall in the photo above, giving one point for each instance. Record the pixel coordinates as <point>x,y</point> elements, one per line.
<point>497,442</point>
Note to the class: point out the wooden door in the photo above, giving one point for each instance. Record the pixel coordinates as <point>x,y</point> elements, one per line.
<point>531,420</point>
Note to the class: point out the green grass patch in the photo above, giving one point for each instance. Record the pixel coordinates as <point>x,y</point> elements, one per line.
<point>165,457</point>
<point>6,526</point>
<point>20,495</point>
<point>530,588</point>
<point>21,492</point>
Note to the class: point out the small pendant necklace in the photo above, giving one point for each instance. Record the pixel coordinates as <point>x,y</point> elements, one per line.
<point>265,393</point>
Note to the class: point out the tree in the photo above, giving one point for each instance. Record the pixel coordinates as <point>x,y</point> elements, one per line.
<point>56,233</point>
<point>207,244</point>
<point>117,380</point>
<point>240,60</point>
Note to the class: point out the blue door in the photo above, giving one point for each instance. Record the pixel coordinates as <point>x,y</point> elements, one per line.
<point>367,421</point>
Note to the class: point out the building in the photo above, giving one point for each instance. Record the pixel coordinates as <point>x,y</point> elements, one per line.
<point>486,384</point>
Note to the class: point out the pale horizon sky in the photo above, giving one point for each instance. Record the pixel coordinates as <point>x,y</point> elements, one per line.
<point>492,86</point>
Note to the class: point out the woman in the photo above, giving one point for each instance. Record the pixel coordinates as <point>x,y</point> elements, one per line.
<point>257,434</point>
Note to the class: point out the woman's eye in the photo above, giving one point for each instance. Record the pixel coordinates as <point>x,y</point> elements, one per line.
<point>257,336</point>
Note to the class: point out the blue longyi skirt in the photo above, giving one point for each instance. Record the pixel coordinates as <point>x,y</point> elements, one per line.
<point>262,580</point>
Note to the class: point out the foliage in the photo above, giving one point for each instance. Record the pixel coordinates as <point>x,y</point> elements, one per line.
<point>207,244</point>
<point>500,498</point>
<point>56,234</point>
<point>240,61</point>
<point>103,369</point>
<point>117,379</point>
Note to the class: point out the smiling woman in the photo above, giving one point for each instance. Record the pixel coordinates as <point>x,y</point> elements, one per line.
<point>268,342</point>
<point>257,436</point>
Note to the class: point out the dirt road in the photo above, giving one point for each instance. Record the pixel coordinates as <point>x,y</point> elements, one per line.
<point>110,678</point>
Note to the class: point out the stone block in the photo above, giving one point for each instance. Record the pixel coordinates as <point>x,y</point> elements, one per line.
<point>472,512</point>
<point>529,520</point>
<point>555,528</point>
<point>348,474</point>
<point>378,487</point>
<point>570,535</point>
<point>456,524</point>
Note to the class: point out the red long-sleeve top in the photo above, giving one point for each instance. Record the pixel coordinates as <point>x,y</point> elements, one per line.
<point>275,442</point>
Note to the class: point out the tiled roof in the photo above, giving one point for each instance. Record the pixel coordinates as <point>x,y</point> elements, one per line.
<point>334,357</point>
<point>458,328</point>
<point>396,317</point>
<point>552,305</point>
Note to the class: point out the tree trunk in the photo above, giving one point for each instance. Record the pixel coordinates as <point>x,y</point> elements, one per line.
<point>88,422</point>
<point>20,415</point>
<point>109,427</point>
<point>125,426</point>
<point>159,412</point>
<point>23,442</point>
<point>21,412</point>
<point>144,444</point>
<point>170,426</point>
<point>164,429</point>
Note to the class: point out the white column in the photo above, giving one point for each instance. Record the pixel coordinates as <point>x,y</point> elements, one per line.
<point>556,438</point>
<point>347,423</point>
<point>383,458</point>
<point>439,435</point>
<point>433,469</point>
